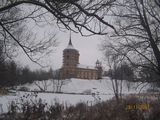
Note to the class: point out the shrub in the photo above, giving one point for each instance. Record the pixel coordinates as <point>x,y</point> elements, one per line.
<point>108,110</point>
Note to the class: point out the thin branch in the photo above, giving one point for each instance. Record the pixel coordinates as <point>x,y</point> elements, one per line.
<point>5,29</point>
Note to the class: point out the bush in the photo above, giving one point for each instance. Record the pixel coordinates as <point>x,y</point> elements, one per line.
<point>109,110</point>
<point>23,89</point>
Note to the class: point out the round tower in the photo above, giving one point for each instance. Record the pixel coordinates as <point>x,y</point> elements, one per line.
<point>70,61</point>
<point>70,56</point>
<point>99,68</point>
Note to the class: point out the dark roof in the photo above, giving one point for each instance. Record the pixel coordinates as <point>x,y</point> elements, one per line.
<point>70,46</point>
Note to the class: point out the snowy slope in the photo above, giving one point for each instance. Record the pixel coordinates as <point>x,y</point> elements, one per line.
<point>102,89</point>
<point>102,86</point>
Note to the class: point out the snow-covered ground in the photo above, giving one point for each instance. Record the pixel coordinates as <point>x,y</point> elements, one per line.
<point>94,90</point>
<point>102,86</point>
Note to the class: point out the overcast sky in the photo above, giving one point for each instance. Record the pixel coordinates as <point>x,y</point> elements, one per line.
<point>87,47</point>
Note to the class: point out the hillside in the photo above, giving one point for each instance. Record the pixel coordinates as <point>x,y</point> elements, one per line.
<point>88,91</point>
<point>102,86</point>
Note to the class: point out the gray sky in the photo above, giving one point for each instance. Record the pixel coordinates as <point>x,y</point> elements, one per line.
<point>87,46</point>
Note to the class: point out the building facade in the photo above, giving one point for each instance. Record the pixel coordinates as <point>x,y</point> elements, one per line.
<point>71,67</point>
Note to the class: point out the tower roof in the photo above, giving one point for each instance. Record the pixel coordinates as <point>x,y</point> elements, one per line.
<point>70,45</point>
<point>70,41</point>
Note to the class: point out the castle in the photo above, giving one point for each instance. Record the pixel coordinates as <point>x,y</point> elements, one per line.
<point>71,67</point>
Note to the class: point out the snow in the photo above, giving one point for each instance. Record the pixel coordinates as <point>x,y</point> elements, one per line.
<point>88,91</point>
<point>102,86</point>
<point>51,98</point>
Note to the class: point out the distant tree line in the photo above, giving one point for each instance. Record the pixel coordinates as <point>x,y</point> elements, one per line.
<point>12,74</point>
<point>122,72</point>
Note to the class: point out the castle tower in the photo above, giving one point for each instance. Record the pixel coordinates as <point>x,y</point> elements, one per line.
<point>70,61</point>
<point>70,56</point>
<point>71,67</point>
<point>99,68</point>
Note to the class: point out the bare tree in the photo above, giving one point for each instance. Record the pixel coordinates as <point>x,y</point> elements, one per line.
<point>138,38</point>
<point>2,66</point>
<point>157,2</point>
<point>14,34</point>
<point>43,85</point>
<point>58,83</point>
<point>75,15</point>
<point>117,84</point>
<point>113,64</point>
